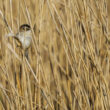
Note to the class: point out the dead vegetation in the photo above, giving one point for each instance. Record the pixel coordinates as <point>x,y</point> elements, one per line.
<point>68,67</point>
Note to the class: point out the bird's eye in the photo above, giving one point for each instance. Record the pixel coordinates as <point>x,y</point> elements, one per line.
<point>24,29</point>
<point>27,28</point>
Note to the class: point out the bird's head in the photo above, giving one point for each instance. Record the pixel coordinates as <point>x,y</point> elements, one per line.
<point>24,28</point>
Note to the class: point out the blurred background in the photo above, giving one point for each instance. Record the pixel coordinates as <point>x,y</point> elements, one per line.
<point>69,59</point>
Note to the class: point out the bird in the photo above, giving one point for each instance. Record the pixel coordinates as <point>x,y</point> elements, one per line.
<point>24,37</point>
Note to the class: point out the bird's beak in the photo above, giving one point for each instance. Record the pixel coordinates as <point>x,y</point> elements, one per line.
<point>10,35</point>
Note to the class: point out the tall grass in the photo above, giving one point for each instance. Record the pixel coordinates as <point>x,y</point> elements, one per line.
<point>68,66</point>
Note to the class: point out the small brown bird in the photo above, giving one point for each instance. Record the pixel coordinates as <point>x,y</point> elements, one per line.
<point>24,37</point>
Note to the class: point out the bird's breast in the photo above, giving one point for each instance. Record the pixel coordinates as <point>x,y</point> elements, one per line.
<point>25,39</point>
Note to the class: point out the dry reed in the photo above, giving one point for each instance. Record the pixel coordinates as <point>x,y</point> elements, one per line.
<point>68,66</point>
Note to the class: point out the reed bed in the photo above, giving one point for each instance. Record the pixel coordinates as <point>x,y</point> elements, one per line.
<point>69,59</point>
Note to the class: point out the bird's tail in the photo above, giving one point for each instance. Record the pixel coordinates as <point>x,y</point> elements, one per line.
<point>26,54</point>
